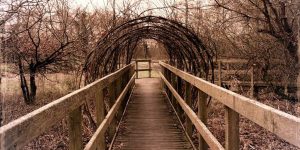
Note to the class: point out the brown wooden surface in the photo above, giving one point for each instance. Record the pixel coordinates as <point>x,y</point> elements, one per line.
<point>93,143</point>
<point>19,132</point>
<point>199,125</point>
<point>75,130</point>
<point>284,125</point>
<point>149,122</point>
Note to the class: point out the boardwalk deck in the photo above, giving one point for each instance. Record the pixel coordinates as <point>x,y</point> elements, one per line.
<point>149,123</point>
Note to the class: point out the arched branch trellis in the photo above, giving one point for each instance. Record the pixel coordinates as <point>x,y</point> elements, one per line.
<point>182,45</point>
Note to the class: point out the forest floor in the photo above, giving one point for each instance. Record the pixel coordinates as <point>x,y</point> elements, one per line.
<point>56,85</point>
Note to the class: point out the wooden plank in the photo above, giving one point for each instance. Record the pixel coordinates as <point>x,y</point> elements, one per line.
<point>92,144</point>
<point>252,82</point>
<point>177,106</point>
<point>200,126</point>
<point>137,69</point>
<point>173,83</point>
<point>100,114</point>
<point>112,90</point>
<point>232,136</point>
<point>219,73</point>
<point>150,68</point>
<point>146,69</point>
<point>75,130</point>
<point>142,60</point>
<point>22,130</point>
<point>280,123</point>
<point>202,114</point>
<point>188,100</point>
<point>148,123</point>
<point>261,83</point>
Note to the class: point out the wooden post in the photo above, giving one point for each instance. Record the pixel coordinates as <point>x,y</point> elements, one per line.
<point>137,69</point>
<point>219,73</point>
<point>112,99</point>
<point>179,88</point>
<point>202,114</point>
<point>75,132</point>
<point>150,68</point>
<point>99,106</point>
<point>188,100</point>
<point>118,92</point>
<point>232,140</point>
<point>163,71</point>
<point>173,81</point>
<point>252,82</point>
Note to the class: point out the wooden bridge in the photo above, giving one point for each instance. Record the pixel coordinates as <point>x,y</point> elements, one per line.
<point>147,114</point>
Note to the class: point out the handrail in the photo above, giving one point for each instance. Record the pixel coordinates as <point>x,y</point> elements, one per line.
<point>284,125</point>
<point>92,144</point>
<point>24,129</point>
<point>200,126</point>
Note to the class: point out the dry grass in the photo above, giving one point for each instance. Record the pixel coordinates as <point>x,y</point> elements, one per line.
<point>52,88</point>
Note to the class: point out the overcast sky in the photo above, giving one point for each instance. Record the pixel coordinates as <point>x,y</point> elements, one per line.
<point>143,5</point>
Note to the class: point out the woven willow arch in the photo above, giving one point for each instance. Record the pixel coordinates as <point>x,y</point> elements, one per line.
<point>119,44</point>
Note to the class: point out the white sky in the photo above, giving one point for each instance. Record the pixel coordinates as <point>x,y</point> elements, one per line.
<point>93,4</point>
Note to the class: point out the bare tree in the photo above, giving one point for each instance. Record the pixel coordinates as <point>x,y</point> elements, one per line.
<point>277,19</point>
<point>40,39</point>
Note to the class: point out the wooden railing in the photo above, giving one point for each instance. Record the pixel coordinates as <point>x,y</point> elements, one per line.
<point>284,125</point>
<point>224,68</point>
<point>137,69</point>
<point>19,132</point>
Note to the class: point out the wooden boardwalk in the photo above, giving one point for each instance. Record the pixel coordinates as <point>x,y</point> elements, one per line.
<point>149,122</point>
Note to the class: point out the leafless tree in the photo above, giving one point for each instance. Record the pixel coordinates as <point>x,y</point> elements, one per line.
<point>41,40</point>
<point>278,19</point>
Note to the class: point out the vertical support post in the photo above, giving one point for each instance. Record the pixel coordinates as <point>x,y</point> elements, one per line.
<point>252,82</point>
<point>168,77</point>
<point>173,76</point>
<point>118,92</point>
<point>163,72</point>
<point>99,106</point>
<point>112,98</point>
<point>188,99</point>
<point>232,140</point>
<point>150,68</point>
<point>179,88</point>
<point>75,132</point>
<point>286,85</point>
<point>219,73</point>
<point>202,114</point>
<point>137,68</point>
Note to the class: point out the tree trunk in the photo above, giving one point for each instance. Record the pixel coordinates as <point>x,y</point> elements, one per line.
<point>24,87</point>
<point>32,83</point>
<point>28,94</point>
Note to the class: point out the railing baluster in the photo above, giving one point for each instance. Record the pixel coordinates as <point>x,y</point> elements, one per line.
<point>112,98</point>
<point>232,140</point>
<point>150,68</point>
<point>173,83</point>
<point>202,114</point>
<point>179,88</point>
<point>219,73</point>
<point>188,99</point>
<point>252,82</point>
<point>118,91</point>
<point>136,69</point>
<point>75,136</point>
<point>99,104</point>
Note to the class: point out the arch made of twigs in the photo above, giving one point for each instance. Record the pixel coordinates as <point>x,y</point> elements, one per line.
<point>182,45</point>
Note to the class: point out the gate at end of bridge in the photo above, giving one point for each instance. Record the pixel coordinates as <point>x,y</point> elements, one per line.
<point>139,116</point>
